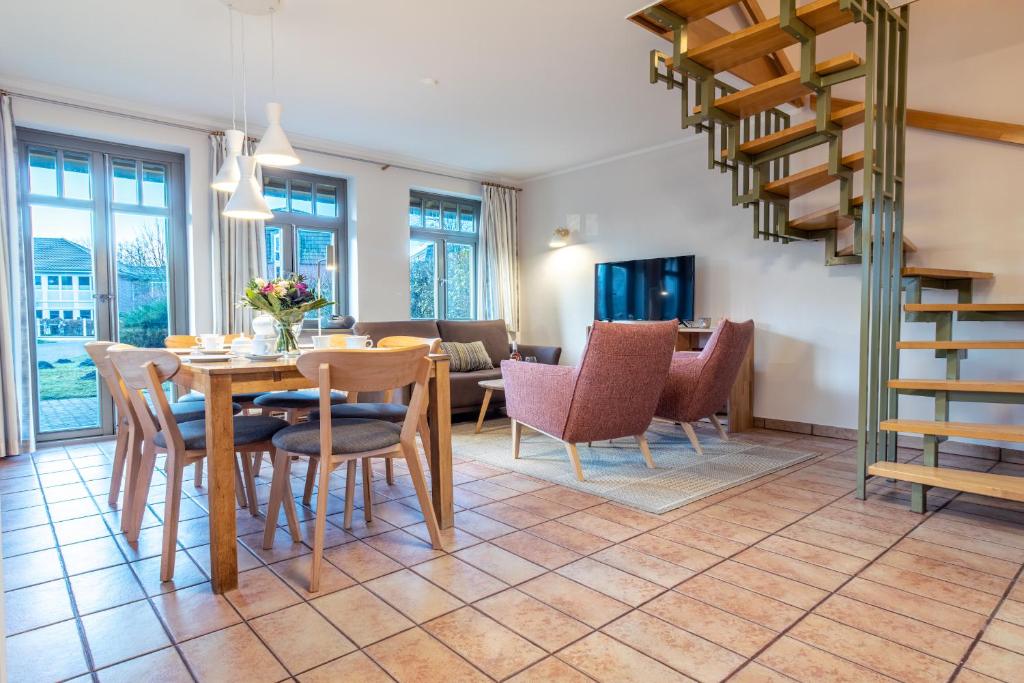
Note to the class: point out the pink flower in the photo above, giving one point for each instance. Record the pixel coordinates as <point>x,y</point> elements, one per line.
<point>267,288</point>
<point>301,286</point>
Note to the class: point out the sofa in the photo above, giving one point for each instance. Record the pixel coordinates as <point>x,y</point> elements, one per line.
<point>465,389</point>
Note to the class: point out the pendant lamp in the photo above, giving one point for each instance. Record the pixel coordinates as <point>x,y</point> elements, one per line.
<point>227,177</point>
<point>247,202</point>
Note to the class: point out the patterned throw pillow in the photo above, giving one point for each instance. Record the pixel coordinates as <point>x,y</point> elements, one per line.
<point>467,357</point>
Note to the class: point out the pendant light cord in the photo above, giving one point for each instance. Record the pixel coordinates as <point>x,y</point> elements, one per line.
<point>273,59</point>
<point>234,89</point>
<point>245,106</point>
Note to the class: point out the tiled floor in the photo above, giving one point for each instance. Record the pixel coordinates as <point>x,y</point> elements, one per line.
<point>785,578</point>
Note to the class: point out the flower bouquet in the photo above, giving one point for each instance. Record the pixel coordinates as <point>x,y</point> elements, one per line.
<point>287,301</point>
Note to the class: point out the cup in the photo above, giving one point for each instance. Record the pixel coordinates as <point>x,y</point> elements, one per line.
<point>263,345</point>
<point>322,341</point>
<point>353,341</point>
<point>211,342</point>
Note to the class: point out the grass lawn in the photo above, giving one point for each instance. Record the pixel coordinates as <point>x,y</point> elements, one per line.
<point>65,380</point>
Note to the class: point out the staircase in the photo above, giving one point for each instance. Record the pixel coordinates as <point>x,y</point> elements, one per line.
<point>751,136</point>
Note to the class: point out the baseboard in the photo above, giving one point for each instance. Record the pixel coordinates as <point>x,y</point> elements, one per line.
<point>972,450</point>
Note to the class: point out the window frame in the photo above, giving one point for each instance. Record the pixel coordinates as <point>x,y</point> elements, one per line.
<point>441,238</point>
<point>291,223</point>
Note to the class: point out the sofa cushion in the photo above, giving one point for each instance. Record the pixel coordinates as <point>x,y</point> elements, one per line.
<point>398,328</point>
<point>467,357</point>
<point>492,333</point>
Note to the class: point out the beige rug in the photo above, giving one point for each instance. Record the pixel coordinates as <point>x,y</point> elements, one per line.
<point>616,469</point>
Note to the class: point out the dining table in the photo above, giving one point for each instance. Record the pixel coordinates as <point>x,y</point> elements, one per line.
<point>220,379</point>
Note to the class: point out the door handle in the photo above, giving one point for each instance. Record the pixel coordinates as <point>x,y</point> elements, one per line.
<point>104,298</point>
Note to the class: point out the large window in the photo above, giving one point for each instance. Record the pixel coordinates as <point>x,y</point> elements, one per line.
<point>308,232</point>
<point>444,232</point>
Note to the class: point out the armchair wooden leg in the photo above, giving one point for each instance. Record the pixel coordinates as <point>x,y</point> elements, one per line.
<point>646,450</point>
<point>718,426</point>
<point>517,434</point>
<point>692,435</point>
<point>574,456</point>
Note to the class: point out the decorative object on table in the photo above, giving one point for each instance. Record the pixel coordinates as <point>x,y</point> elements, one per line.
<point>263,325</point>
<point>515,355</point>
<point>286,301</point>
<point>467,357</point>
<point>241,345</point>
<point>530,359</point>
<point>704,323</point>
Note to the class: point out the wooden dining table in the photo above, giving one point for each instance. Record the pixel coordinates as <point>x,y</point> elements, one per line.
<point>219,380</point>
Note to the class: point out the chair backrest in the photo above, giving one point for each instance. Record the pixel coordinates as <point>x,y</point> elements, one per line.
<point>97,351</point>
<point>722,359</point>
<point>619,379</point>
<point>399,342</point>
<point>143,371</point>
<point>187,341</point>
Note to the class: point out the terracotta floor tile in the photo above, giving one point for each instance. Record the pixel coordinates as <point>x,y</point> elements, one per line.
<point>830,520</point>
<point>780,494</point>
<point>733,599</point>
<point>360,529</point>
<point>195,611</point>
<point>613,582</point>
<point>532,619</point>
<point>186,573</point>
<point>396,514</point>
<point>609,661</point>
<point>28,540</point>
<point>968,676</point>
<point>496,650</point>
<point>510,515</point>
<point>766,583</point>
<point>970,544</point>
<point>892,659</point>
<point>670,551</point>
<point>500,563</point>
<point>452,539</point>
<point>106,633</point>
<point>790,568</point>
<point>417,657</point>
<point>361,616</point>
<point>1006,635</point>
<point>587,605</point>
<point>754,514</point>
<point>233,654</point>
<point>355,667</point>
<point>51,653</point>
<point>757,673</point>
<point>90,555</point>
<point>413,596</point>
<point>813,554</point>
<point>805,663</point>
<point>35,606</point>
<point>481,526</point>
<point>295,572</point>
<point>830,541</point>
<point>462,580</point>
<point>641,521</point>
<point>962,576</point>
<point>487,489</point>
<point>550,670</point>
<point>30,569</point>
<point>360,561</point>
<point>260,591</point>
<point>25,517</point>
<point>403,547</point>
<point>702,540</point>
<point>648,567</point>
<point>683,651</point>
<point>163,665</point>
<point>870,526</point>
<point>300,637</point>
<point>599,526</point>
<point>467,499</point>
<point>943,591</point>
<point>993,531</point>
<point>996,662</point>
<point>960,558</point>
<point>571,497</point>
<point>105,588</point>
<point>915,606</point>
<point>536,549</point>
<point>246,560</point>
<point>542,507</point>
<point>1012,611</point>
<point>718,626</point>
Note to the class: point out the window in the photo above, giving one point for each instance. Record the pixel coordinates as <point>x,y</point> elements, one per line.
<point>39,315</point>
<point>52,281</point>
<point>39,280</point>
<point>84,282</point>
<point>65,280</point>
<point>53,315</point>
<point>309,223</point>
<point>67,315</point>
<point>85,314</point>
<point>444,234</point>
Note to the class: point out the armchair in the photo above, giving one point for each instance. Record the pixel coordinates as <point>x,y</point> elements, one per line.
<point>699,383</point>
<point>611,393</point>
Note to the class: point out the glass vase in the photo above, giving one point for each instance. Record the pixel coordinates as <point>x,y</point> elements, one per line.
<point>288,338</point>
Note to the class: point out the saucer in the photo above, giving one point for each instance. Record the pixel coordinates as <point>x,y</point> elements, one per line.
<point>269,356</point>
<point>198,358</point>
<point>214,352</point>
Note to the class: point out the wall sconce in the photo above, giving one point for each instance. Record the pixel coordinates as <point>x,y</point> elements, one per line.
<point>559,238</point>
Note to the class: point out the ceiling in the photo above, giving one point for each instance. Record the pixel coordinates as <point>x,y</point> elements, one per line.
<point>524,87</point>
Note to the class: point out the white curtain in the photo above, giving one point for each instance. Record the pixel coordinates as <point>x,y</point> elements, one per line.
<point>499,244</point>
<point>238,252</point>
<point>17,433</point>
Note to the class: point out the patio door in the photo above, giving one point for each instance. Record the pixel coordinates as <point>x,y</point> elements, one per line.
<point>106,228</point>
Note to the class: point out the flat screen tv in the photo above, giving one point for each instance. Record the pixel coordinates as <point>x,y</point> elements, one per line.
<point>644,289</point>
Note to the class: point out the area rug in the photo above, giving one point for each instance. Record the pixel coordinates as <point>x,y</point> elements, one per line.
<point>616,469</point>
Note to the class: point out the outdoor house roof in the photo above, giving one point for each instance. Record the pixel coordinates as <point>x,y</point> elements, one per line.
<point>59,255</point>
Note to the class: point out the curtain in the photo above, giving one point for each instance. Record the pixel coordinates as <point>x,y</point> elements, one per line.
<point>238,251</point>
<point>499,246</point>
<point>17,431</point>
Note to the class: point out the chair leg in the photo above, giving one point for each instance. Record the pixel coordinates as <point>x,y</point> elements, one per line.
<point>307,492</point>
<point>250,483</point>
<point>412,461</point>
<point>574,456</point>
<point>240,487</point>
<point>140,492</point>
<point>517,434</point>
<point>257,464</point>
<point>175,471</point>
<point>273,505</point>
<point>350,491</point>
<point>132,469</point>
<point>692,435</point>
<point>117,470</point>
<point>199,473</point>
<point>646,450</point>
<point>367,490</point>
<point>389,471</point>
<point>321,522</point>
<point>424,430</point>
<point>289,499</point>
<point>719,428</point>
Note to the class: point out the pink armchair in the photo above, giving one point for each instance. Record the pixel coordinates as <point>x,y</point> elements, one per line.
<point>699,383</point>
<point>611,393</point>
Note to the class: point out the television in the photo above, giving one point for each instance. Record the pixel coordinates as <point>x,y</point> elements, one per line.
<point>644,289</point>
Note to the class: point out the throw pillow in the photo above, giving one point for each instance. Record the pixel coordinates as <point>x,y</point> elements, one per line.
<point>467,357</point>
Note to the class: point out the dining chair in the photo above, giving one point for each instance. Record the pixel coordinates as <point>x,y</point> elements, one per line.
<point>128,439</point>
<point>611,393</point>
<point>143,371</point>
<point>699,383</point>
<point>348,440</point>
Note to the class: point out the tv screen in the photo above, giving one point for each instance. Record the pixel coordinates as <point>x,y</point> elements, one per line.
<point>644,289</point>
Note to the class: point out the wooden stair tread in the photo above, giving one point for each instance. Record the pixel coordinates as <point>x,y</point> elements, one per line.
<point>962,344</point>
<point>968,430</point>
<point>778,91</point>
<point>977,385</point>
<point>964,308</point>
<point>687,9</point>
<point>767,37</point>
<point>813,178</point>
<point>908,248</point>
<point>946,273</point>
<point>1003,486</point>
<point>845,118</point>
<point>826,219</point>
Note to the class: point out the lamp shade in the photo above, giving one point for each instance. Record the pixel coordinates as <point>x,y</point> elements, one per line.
<point>247,203</point>
<point>274,149</point>
<point>227,177</point>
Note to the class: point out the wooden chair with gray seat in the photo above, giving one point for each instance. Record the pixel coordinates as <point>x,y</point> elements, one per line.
<point>350,440</point>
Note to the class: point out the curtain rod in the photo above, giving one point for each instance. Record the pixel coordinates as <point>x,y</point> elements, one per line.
<point>506,187</point>
<point>384,165</point>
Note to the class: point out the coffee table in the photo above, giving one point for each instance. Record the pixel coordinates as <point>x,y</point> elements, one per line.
<point>490,386</point>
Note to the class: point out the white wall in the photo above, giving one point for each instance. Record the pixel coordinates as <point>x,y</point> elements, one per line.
<point>378,205</point>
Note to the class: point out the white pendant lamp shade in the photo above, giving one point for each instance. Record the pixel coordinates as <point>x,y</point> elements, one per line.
<point>274,149</point>
<point>247,203</point>
<point>227,177</point>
